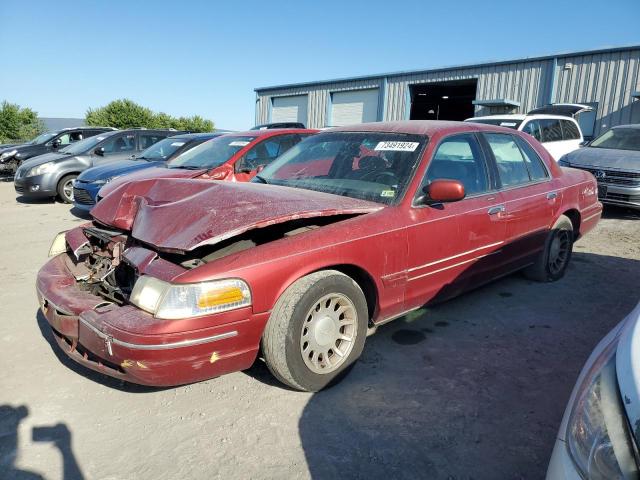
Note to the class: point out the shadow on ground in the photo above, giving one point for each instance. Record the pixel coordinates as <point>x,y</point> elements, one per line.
<point>59,435</point>
<point>105,380</point>
<point>471,388</point>
<point>81,214</point>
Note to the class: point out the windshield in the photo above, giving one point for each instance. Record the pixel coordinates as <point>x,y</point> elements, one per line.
<point>163,149</point>
<point>500,122</point>
<point>619,139</point>
<point>211,154</point>
<point>42,138</point>
<point>83,146</point>
<point>366,165</point>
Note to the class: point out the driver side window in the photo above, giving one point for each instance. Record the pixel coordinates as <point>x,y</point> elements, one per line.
<point>459,157</point>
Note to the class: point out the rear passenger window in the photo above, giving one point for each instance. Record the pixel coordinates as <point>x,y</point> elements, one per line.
<point>148,139</point>
<point>459,158</point>
<point>537,170</point>
<point>551,131</point>
<point>509,159</point>
<point>569,130</point>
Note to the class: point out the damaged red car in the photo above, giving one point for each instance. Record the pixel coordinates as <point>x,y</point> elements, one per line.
<point>179,280</point>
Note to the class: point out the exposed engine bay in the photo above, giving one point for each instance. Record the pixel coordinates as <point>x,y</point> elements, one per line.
<point>103,264</point>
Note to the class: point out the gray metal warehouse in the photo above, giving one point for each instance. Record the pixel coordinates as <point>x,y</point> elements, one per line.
<point>606,79</point>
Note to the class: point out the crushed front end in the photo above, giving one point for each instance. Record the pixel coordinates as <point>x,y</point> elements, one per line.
<point>85,292</point>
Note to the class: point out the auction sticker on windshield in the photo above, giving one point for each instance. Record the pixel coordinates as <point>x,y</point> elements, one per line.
<point>397,146</point>
<point>239,143</point>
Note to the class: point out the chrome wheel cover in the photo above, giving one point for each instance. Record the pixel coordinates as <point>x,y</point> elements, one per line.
<point>328,333</point>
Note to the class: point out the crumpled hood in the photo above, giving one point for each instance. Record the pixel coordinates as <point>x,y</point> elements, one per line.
<point>113,169</point>
<point>147,174</point>
<point>181,215</point>
<point>605,158</point>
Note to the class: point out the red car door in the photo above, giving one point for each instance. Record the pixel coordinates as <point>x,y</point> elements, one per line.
<point>453,245</point>
<point>531,202</point>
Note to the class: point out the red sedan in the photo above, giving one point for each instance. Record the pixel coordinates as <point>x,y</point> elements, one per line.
<point>236,157</point>
<point>177,281</point>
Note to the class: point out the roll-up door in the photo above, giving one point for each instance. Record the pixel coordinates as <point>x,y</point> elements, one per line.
<point>289,109</point>
<point>355,106</point>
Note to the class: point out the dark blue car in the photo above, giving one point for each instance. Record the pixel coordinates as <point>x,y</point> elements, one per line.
<point>90,181</point>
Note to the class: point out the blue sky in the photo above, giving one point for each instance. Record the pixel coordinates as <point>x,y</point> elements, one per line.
<point>205,58</point>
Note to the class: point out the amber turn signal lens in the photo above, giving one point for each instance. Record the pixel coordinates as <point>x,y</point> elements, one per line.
<point>220,297</point>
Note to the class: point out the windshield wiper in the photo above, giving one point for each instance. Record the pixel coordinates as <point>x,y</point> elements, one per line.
<point>261,179</point>
<point>190,167</point>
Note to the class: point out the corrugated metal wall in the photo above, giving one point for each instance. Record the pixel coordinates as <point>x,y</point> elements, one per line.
<point>607,77</point>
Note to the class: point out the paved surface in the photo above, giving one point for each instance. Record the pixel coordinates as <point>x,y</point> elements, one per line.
<point>474,388</point>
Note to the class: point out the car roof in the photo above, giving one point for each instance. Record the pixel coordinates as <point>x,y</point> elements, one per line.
<point>519,116</point>
<point>84,127</point>
<point>419,127</point>
<point>271,132</point>
<point>195,136</point>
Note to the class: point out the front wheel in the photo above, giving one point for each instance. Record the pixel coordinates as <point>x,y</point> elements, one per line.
<point>553,261</point>
<point>316,330</point>
<point>65,188</point>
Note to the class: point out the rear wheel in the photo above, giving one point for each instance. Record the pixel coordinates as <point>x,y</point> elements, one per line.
<point>553,261</point>
<point>65,188</point>
<point>316,330</point>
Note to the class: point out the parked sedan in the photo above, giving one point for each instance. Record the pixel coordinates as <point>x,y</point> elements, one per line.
<point>11,156</point>
<point>600,431</point>
<point>614,159</point>
<point>53,174</point>
<point>235,157</point>
<point>90,181</point>
<point>180,280</point>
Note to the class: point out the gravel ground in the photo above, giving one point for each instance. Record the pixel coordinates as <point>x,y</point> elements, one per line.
<point>473,388</point>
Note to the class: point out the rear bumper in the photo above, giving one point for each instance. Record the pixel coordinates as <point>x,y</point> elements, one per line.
<point>124,342</point>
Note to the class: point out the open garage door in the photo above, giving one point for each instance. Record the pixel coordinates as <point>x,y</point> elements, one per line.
<point>289,109</point>
<point>443,100</point>
<point>356,106</point>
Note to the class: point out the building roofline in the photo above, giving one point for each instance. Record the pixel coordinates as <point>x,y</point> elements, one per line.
<point>452,67</point>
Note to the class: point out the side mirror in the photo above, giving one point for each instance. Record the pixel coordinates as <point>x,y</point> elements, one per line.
<point>99,151</point>
<point>56,143</point>
<point>260,168</point>
<point>584,143</point>
<point>441,191</point>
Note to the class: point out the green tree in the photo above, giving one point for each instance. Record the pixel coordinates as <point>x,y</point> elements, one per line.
<point>17,123</point>
<point>125,113</point>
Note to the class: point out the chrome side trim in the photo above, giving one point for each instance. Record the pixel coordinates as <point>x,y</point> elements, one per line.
<point>413,269</point>
<point>396,316</point>
<point>591,216</point>
<point>453,266</point>
<point>160,346</point>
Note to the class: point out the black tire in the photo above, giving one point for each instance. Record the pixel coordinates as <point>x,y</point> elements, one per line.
<point>282,340</point>
<point>554,259</point>
<point>62,188</point>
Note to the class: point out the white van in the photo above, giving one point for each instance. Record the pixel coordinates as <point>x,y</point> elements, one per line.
<point>560,134</point>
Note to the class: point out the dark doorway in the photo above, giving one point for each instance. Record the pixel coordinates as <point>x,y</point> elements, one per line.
<point>443,100</point>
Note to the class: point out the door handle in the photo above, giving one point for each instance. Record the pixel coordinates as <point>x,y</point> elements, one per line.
<point>552,195</point>
<point>495,210</point>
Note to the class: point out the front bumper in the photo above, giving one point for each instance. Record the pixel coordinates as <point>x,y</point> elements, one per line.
<point>618,195</point>
<point>84,195</point>
<point>127,343</point>
<point>37,186</point>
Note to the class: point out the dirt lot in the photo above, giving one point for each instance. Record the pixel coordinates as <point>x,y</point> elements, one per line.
<point>474,388</point>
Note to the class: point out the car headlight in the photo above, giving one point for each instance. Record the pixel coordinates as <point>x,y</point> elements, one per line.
<point>598,437</point>
<point>59,244</point>
<point>8,154</point>
<point>103,181</point>
<point>173,301</point>
<point>40,169</point>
